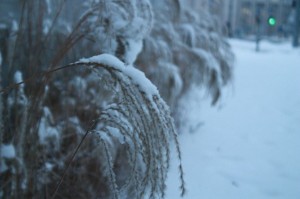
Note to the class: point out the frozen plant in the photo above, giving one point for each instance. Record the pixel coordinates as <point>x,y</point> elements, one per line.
<point>139,121</point>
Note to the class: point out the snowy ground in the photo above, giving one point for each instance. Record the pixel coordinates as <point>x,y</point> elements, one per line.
<point>248,148</point>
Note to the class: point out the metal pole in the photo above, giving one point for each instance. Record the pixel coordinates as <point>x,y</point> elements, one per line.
<point>257,25</point>
<point>296,25</point>
<point>229,20</point>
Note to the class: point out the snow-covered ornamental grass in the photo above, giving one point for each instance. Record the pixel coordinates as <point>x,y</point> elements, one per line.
<point>140,120</point>
<point>103,132</point>
<point>133,134</point>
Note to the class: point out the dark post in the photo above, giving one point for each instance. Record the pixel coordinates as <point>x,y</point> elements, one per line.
<point>296,5</point>
<point>258,27</point>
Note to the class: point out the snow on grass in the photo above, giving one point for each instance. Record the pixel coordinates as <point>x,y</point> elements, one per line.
<point>137,76</point>
<point>249,148</point>
<point>46,132</point>
<point>134,48</point>
<point>7,151</point>
<point>18,78</point>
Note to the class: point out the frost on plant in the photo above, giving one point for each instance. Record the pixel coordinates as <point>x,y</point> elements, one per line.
<point>126,153</point>
<point>138,121</point>
<point>191,42</point>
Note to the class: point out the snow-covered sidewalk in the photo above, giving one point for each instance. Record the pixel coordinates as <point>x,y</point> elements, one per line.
<point>249,148</point>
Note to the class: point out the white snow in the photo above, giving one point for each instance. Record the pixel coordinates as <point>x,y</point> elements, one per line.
<point>114,132</point>
<point>210,60</point>
<point>189,35</point>
<point>8,151</point>
<point>49,166</point>
<point>18,77</point>
<point>137,76</point>
<point>248,148</point>
<point>15,26</point>
<point>105,59</point>
<point>134,48</point>
<point>46,131</point>
<point>46,26</point>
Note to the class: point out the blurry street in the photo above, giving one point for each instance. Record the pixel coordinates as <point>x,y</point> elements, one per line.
<point>248,146</point>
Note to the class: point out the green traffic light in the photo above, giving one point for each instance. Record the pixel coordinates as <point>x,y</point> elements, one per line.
<point>272,21</point>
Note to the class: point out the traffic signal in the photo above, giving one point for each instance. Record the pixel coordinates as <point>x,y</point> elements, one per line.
<point>272,21</point>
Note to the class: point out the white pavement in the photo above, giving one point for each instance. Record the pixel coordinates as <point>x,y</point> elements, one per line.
<point>250,147</point>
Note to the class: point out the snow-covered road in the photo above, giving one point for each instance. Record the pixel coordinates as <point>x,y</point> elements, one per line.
<point>248,148</point>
